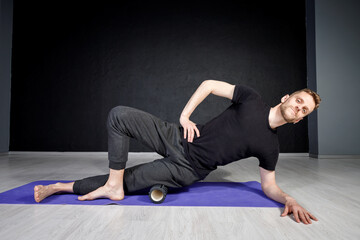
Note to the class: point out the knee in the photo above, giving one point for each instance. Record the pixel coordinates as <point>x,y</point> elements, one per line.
<point>119,112</point>
<point>186,180</point>
<point>118,116</point>
<point>118,109</point>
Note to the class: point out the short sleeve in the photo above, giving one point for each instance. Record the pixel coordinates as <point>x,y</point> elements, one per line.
<point>243,93</point>
<point>269,162</point>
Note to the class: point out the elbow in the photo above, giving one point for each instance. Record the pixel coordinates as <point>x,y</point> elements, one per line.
<point>267,187</point>
<point>209,81</point>
<point>208,84</point>
<point>264,188</point>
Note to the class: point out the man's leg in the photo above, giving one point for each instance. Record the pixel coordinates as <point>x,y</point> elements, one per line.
<point>83,186</point>
<point>123,123</point>
<point>161,136</point>
<point>167,171</point>
<point>41,192</point>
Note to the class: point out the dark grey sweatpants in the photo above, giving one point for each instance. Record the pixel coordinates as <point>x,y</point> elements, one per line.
<point>123,123</point>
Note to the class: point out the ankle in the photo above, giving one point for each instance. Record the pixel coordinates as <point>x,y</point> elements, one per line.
<point>57,186</point>
<point>114,184</point>
<point>62,187</point>
<point>115,179</point>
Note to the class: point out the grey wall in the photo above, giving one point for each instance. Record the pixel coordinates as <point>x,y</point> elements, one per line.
<point>6,10</point>
<point>334,129</point>
<point>311,75</point>
<point>68,72</point>
<point>337,27</point>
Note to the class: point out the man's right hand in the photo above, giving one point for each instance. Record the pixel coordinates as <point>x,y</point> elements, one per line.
<point>189,128</point>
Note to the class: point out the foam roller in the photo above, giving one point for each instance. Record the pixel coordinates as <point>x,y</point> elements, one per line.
<point>158,193</point>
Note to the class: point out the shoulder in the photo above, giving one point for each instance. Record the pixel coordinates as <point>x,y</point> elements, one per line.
<point>244,93</point>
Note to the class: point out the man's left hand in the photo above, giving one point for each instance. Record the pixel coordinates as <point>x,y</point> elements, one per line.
<point>300,213</point>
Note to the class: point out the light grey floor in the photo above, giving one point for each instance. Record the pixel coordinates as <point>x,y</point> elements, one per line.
<point>328,188</point>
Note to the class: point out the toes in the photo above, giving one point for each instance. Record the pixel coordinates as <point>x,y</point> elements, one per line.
<point>102,192</point>
<point>98,193</point>
<point>85,197</point>
<point>36,194</point>
<point>36,197</point>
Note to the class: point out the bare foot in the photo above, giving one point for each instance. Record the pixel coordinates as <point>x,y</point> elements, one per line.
<point>41,192</point>
<point>106,191</point>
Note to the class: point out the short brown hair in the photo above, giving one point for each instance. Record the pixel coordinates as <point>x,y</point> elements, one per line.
<point>314,95</point>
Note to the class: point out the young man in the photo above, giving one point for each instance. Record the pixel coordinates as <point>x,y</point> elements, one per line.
<point>191,151</point>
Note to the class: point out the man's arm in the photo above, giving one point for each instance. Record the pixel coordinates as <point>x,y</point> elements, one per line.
<point>272,190</point>
<point>218,88</point>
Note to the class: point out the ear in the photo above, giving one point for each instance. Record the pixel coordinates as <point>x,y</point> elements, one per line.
<point>298,120</point>
<point>284,98</point>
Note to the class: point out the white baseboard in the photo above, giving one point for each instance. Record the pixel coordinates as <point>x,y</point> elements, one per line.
<point>152,153</point>
<point>294,154</point>
<point>334,156</point>
<point>70,153</point>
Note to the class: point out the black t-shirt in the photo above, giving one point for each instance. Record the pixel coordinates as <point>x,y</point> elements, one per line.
<point>241,131</point>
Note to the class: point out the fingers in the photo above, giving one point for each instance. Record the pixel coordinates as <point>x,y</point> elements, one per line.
<point>300,215</point>
<point>187,132</point>
<point>197,132</point>
<point>296,216</point>
<point>312,217</point>
<point>307,218</point>
<point>190,132</point>
<point>303,217</point>
<point>286,210</point>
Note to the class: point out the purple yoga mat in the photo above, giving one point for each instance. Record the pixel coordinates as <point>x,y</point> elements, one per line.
<point>220,194</point>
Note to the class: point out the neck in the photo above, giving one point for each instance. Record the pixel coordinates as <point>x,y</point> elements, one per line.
<point>275,117</point>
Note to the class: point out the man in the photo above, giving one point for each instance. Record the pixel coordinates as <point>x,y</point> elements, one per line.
<point>191,151</point>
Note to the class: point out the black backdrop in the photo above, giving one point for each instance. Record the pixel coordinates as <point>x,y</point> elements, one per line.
<point>75,60</point>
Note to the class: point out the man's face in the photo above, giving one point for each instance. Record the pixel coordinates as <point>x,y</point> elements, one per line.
<point>296,107</point>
